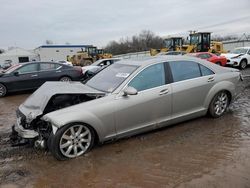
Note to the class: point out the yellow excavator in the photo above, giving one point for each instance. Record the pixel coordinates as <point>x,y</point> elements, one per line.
<point>201,42</point>
<point>170,44</point>
<point>88,56</point>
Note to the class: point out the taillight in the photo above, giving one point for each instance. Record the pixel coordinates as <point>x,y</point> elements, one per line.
<point>79,69</point>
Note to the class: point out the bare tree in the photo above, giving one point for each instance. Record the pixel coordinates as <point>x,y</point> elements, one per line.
<point>142,42</point>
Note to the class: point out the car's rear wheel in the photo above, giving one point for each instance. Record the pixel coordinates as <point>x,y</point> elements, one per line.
<point>218,63</point>
<point>72,140</point>
<point>3,90</point>
<point>65,79</point>
<point>243,64</point>
<point>219,104</point>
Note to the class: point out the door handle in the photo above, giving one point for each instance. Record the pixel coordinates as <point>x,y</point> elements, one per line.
<point>163,92</point>
<point>58,71</point>
<point>34,75</point>
<point>211,79</point>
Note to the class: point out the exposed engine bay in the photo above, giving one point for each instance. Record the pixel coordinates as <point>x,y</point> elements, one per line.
<point>56,102</point>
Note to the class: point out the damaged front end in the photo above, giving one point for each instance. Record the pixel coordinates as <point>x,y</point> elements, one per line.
<point>30,128</point>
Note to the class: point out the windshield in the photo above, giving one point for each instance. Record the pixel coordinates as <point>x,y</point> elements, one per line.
<point>97,62</point>
<point>168,43</point>
<point>110,78</point>
<point>12,68</point>
<point>239,51</point>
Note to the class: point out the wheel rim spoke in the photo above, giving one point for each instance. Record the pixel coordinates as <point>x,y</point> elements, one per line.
<point>72,131</point>
<point>69,150</point>
<point>75,150</point>
<point>84,134</point>
<point>66,144</point>
<point>84,140</point>
<point>66,137</point>
<point>79,131</point>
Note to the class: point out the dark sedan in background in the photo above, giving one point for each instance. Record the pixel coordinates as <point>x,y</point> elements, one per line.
<point>27,76</point>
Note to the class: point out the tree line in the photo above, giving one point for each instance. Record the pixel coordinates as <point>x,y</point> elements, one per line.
<point>146,40</point>
<point>137,43</point>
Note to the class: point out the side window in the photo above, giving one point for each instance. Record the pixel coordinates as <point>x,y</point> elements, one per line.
<point>184,70</point>
<point>205,71</point>
<point>48,66</point>
<point>208,56</point>
<point>28,68</point>
<point>150,77</point>
<point>202,56</point>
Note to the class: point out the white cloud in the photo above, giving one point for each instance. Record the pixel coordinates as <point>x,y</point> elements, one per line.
<point>29,23</point>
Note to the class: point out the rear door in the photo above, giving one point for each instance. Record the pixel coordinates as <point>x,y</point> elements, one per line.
<point>191,84</point>
<point>49,72</point>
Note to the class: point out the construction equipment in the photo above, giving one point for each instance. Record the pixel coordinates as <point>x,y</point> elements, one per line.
<point>198,42</point>
<point>201,42</point>
<point>88,56</point>
<point>170,44</point>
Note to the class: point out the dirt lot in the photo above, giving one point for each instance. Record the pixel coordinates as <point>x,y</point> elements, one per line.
<point>200,153</point>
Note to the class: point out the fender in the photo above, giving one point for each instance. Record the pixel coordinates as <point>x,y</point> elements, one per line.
<point>223,85</point>
<point>58,119</point>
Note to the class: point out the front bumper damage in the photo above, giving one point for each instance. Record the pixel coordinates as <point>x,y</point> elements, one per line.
<point>21,136</point>
<point>233,62</point>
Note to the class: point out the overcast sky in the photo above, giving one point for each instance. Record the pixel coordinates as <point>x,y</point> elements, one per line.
<point>29,23</point>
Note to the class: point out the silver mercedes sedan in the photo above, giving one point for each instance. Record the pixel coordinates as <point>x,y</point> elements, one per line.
<point>126,98</point>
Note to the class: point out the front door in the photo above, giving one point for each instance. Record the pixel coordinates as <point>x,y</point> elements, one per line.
<point>151,106</point>
<point>27,77</point>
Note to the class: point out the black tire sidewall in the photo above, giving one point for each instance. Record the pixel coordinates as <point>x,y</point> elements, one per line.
<point>55,141</point>
<point>211,106</point>
<point>65,77</point>
<point>5,90</point>
<point>243,61</point>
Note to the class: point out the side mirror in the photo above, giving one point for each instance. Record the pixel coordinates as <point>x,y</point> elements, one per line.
<point>16,73</point>
<point>129,91</point>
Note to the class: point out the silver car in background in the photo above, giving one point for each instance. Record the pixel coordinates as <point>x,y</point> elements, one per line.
<point>127,98</point>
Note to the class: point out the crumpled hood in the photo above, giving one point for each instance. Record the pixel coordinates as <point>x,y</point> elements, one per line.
<point>36,103</point>
<point>230,55</point>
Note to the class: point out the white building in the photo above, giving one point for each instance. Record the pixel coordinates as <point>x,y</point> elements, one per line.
<point>58,52</point>
<point>18,55</point>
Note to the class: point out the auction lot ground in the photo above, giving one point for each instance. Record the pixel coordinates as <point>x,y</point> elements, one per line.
<point>203,152</point>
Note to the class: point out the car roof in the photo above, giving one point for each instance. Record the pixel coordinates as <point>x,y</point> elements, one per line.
<point>146,61</point>
<point>41,62</point>
<point>245,47</point>
<point>155,59</point>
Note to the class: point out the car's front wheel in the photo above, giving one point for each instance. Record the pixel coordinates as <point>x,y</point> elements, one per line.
<point>219,104</point>
<point>72,140</point>
<point>3,90</point>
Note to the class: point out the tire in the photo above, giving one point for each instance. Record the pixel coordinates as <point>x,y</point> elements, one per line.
<point>71,136</point>
<point>243,64</point>
<point>219,104</point>
<point>218,63</point>
<point>3,90</point>
<point>65,79</point>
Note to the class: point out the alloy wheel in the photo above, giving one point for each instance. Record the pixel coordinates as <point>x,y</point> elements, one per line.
<point>65,79</point>
<point>75,141</point>
<point>220,104</point>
